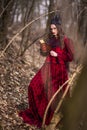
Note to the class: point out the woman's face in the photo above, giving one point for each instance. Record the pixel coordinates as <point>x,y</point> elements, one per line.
<point>54,29</point>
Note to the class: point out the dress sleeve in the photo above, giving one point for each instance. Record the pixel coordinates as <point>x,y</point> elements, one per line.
<point>68,50</point>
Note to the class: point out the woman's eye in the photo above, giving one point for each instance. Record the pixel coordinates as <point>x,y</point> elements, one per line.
<point>53,28</point>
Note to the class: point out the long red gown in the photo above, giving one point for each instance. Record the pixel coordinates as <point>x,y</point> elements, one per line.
<point>45,83</point>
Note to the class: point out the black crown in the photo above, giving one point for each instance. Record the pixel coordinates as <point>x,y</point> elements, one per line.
<point>56,20</point>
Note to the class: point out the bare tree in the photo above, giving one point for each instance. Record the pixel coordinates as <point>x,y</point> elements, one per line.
<point>4,21</point>
<point>26,33</point>
<point>82,21</point>
<point>51,7</point>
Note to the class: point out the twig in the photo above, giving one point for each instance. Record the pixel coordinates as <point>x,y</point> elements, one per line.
<point>5,8</point>
<point>85,8</point>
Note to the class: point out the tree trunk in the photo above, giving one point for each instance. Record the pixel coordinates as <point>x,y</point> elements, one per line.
<point>82,21</point>
<point>4,20</point>
<point>50,8</point>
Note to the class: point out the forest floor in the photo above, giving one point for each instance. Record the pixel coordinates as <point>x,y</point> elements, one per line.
<point>14,80</point>
<point>15,76</point>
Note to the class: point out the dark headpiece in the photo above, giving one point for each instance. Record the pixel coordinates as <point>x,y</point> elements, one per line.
<point>56,20</point>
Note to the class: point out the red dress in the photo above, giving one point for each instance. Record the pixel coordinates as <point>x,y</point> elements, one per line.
<point>45,83</point>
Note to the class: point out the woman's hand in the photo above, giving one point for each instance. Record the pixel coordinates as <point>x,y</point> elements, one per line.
<point>53,53</point>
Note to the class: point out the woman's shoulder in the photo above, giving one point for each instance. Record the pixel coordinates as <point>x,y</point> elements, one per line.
<point>67,39</point>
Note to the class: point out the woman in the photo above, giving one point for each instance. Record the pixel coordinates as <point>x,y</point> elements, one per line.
<point>51,75</point>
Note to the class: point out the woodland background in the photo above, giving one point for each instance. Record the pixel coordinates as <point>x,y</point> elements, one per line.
<point>22,24</point>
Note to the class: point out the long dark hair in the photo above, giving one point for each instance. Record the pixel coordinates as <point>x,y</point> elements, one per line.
<point>60,35</point>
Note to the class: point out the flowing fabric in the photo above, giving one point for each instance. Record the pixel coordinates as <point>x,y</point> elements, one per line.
<point>45,83</point>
